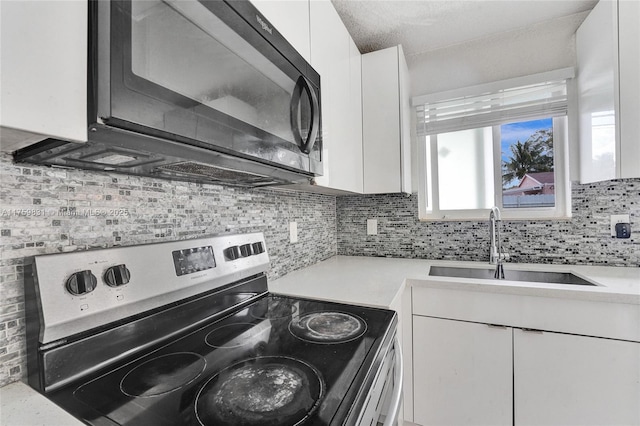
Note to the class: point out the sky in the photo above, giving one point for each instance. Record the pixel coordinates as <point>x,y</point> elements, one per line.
<point>514,132</point>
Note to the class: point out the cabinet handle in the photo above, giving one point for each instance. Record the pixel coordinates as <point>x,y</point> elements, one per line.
<point>531,330</point>
<point>496,326</point>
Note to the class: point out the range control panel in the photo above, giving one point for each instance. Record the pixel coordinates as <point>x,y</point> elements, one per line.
<point>245,250</point>
<point>101,286</point>
<point>188,261</point>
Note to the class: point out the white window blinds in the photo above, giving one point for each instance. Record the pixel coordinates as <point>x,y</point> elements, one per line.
<point>519,99</point>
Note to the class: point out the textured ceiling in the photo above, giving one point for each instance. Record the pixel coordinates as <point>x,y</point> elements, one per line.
<point>426,25</point>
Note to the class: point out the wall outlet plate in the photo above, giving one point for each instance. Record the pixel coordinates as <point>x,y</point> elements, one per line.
<point>293,232</point>
<point>618,218</point>
<point>372,226</point>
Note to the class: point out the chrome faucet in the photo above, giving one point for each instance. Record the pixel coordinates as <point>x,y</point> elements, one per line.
<point>496,256</point>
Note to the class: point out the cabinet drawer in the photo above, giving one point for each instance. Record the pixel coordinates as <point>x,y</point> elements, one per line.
<point>600,319</point>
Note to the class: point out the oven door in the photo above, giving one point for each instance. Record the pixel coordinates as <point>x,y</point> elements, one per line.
<point>214,73</point>
<point>383,403</point>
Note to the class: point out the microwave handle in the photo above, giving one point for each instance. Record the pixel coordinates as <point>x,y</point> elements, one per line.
<point>305,145</point>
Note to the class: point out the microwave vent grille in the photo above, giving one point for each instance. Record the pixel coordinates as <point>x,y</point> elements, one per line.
<point>219,174</point>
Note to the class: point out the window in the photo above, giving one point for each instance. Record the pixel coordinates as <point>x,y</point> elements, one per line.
<point>527,162</point>
<point>504,145</point>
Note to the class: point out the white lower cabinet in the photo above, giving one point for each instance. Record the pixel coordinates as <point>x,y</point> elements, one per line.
<point>462,373</point>
<point>468,373</point>
<point>562,379</point>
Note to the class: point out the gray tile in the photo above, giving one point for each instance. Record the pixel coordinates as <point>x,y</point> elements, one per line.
<point>584,239</point>
<point>51,211</point>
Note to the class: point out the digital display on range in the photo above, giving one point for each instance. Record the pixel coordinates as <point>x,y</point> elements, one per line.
<point>188,261</point>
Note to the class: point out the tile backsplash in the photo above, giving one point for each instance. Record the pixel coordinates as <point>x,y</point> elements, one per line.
<point>584,239</point>
<point>45,210</point>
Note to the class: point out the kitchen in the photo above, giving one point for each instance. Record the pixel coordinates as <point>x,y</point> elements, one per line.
<point>51,210</point>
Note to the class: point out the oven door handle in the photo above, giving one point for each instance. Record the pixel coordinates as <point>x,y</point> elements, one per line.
<point>396,398</point>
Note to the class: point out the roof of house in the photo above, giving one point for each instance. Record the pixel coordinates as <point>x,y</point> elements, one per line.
<point>542,177</point>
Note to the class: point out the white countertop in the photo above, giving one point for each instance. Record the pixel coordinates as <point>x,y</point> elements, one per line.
<point>378,282</point>
<point>368,281</point>
<point>21,405</point>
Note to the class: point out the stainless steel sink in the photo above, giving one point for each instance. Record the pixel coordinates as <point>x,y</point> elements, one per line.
<point>512,275</point>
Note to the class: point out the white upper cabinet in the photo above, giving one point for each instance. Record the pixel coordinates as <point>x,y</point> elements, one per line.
<point>346,163</point>
<point>608,51</point>
<point>355,168</point>
<point>335,57</point>
<point>44,57</point>
<point>291,18</point>
<point>386,113</point>
<point>629,71</point>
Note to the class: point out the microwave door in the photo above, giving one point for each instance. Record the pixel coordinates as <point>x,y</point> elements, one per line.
<point>199,70</point>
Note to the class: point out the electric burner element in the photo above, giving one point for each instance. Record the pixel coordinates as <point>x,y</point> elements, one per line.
<point>328,327</point>
<point>273,308</point>
<point>261,391</point>
<point>163,374</point>
<point>237,335</point>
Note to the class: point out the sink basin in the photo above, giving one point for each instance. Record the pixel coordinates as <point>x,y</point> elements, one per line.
<point>511,275</point>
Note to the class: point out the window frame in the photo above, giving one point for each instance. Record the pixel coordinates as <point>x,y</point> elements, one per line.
<point>428,185</point>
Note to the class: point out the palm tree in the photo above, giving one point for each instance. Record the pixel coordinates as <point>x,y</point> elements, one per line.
<point>534,155</point>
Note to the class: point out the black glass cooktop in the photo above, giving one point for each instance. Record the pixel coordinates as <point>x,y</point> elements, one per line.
<point>278,361</point>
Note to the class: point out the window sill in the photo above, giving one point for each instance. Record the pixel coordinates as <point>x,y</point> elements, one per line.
<point>477,217</point>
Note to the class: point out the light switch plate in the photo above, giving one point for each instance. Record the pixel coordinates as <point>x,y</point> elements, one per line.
<point>293,232</point>
<point>372,226</point>
<point>618,218</point>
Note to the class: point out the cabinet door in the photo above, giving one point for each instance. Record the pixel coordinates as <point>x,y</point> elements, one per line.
<point>608,53</point>
<point>332,55</point>
<point>462,373</point>
<point>381,121</point>
<point>629,62</point>
<point>386,121</point>
<point>562,379</point>
<point>597,55</point>
<point>291,19</point>
<point>44,71</point>
<point>346,161</point>
<point>405,123</point>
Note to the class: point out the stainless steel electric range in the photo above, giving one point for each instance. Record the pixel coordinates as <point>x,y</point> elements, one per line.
<point>186,333</point>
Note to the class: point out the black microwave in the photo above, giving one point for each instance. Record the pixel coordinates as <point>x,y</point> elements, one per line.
<point>204,90</point>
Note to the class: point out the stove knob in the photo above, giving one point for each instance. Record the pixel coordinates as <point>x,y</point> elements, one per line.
<point>232,253</point>
<point>82,282</point>
<point>245,250</point>
<point>257,248</point>
<point>116,276</point>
